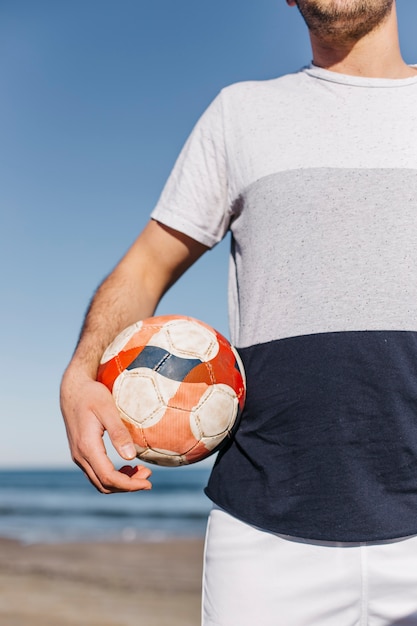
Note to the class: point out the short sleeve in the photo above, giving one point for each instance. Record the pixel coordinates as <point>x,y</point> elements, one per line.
<point>194,200</point>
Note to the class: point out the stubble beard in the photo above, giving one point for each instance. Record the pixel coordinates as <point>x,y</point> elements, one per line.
<point>344,21</point>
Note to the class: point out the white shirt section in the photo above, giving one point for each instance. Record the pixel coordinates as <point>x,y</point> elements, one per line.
<point>313,118</point>
<point>314,121</point>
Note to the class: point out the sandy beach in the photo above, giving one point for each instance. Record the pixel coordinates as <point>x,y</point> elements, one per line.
<point>101,584</point>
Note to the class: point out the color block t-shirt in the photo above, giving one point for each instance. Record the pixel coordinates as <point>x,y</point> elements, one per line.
<point>315,175</point>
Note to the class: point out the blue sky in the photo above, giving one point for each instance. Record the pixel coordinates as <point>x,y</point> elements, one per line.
<point>97,97</point>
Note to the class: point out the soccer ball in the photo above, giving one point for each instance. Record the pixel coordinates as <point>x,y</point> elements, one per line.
<point>179,386</point>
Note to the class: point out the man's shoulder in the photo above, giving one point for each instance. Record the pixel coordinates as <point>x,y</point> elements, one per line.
<point>259,87</point>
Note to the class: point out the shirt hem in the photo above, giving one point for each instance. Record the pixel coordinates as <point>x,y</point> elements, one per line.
<point>305,535</point>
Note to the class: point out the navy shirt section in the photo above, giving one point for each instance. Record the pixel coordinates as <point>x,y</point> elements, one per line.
<point>327,444</point>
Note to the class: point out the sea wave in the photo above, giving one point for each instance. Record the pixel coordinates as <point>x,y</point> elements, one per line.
<point>50,505</point>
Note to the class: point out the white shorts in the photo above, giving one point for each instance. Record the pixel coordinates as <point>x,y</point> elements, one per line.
<point>256,578</point>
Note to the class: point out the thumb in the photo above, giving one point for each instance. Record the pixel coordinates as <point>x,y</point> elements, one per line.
<point>119,436</point>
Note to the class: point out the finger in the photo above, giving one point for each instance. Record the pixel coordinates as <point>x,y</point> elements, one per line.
<point>114,482</point>
<point>90,474</point>
<point>120,438</point>
<point>100,471</point>
<point>110,480</point>
<point>109,416</point>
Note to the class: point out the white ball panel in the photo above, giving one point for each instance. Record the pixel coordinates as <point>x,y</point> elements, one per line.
<point>141,397</point>
<point>166,386</point>
<point>165,457</point>
<point>215,413</point>
<point>212,442</point>
<point>188,339</point>
<point>120,341</point>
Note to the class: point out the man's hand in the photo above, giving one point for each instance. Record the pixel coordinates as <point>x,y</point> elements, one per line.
<point>89,410</point>
<point>131,292</point>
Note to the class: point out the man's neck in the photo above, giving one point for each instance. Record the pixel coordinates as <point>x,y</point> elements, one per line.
<point>377,55</point>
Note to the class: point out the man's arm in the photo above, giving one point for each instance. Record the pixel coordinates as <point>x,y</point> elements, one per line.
<point>131,292</point>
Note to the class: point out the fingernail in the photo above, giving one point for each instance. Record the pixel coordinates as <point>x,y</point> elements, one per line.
<point>128,451</point>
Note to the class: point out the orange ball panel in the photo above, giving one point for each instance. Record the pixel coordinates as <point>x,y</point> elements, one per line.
<point>188,395</point>
<point>172,432</point>
<point>143,335</point>
<point>109,371</point>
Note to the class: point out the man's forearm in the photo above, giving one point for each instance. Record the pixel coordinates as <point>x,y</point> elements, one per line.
<point>118,302</point>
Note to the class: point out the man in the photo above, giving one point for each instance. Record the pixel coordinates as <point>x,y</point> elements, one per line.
<point>315,514</point>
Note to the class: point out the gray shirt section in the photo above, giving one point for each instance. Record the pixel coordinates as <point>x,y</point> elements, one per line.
<point>336,250</point>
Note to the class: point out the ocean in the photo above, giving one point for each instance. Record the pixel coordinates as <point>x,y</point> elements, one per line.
<point>61,506</point>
